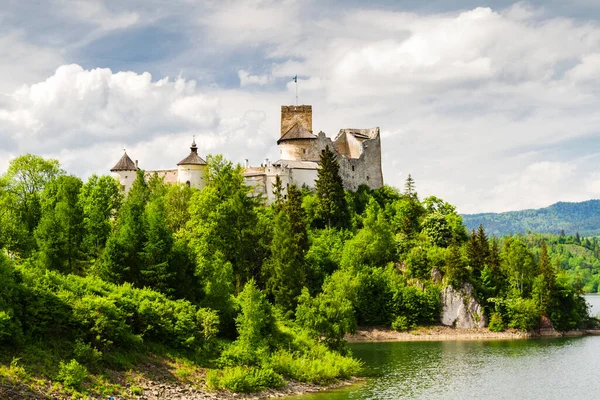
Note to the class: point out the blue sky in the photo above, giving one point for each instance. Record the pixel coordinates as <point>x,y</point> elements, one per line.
<point>492,106</point>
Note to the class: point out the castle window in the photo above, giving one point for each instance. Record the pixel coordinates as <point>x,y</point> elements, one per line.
<point>367,177</point>
<point>188,183</point>
<point>353,168</point>
<point>125,176</point>
<point>304,150</point>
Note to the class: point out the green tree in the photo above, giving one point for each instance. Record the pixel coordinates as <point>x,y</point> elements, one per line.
<point>177,203</point>
<point>545,282</point>
<point>59,233</point>
<point>478,251</point>
<point>224,221</point>
<point>332,208</point>
<point>286,268</point>
<point>409,187</point>
<point>100,199</point>
<point>22,185</point>
<point>456,272</point>
<point>374,244</point>
<point>518,265</point>
<point>286,272</point>
<point>121,261</point>
<point>278,192</point>
<point>155,255</point>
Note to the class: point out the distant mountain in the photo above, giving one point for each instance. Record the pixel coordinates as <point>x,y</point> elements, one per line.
<point>581,217</point>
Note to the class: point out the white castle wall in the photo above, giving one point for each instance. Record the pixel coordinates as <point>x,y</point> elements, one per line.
<point>194,174</point>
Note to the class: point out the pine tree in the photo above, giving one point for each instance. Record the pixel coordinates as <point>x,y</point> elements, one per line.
<point>544,284</point>
<point>278,193</point>
<point>409,187</point>
<point>286,269</point>
<point>332,209</point>
<point>121,257</point>
<point>456,273</point>
<point>293,208</point>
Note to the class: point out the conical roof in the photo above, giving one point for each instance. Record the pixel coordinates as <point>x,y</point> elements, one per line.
<point>193,158</point>
<point>124,164</point>
<point>296,132</point>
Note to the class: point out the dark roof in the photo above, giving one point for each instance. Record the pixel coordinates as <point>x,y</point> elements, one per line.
<point>297,132</point>
<point>193,158</point>
<point>124,164</point>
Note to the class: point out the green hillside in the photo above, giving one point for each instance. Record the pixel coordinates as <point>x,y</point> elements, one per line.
<point>571,218</point>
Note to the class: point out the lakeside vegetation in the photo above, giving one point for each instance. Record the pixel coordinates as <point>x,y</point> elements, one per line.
<point>96,282</point>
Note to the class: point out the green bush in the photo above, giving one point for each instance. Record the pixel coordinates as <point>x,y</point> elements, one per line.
<point>320,365</point>
<point>400,323</point>
<point>86,354</point>
<point>496,323</point>
<point>243,379</point>
<point>523,314</point>
<point>72,374</point>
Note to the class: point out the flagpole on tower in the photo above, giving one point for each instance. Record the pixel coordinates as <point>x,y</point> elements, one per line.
<point>296,82</point>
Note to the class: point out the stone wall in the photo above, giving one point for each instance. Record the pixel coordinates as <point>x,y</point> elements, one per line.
<point>300,150</point>
<point>290,115</point>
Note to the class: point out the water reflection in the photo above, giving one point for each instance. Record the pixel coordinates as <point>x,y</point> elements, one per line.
<point>556,368</point>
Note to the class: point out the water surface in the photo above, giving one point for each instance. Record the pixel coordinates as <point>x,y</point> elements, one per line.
<point>511,369</point>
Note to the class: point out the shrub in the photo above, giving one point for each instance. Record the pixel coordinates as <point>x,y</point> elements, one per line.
<point>72,374</point>
<point>400,323</point>
<point>320,365</point>
<point>86,354</point>
<point>496,323</point>
<point>243,379</point>
<point>523,314</point>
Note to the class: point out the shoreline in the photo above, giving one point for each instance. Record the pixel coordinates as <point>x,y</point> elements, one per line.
<point>158,390</point>
<point>446,333</point>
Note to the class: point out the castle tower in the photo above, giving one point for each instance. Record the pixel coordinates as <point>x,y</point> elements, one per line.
<point>297,142</point>
<point>190,170</point>
<point>125,172</point>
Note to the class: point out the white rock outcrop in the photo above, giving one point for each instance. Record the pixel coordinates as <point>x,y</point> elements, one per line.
<point>460,309</point>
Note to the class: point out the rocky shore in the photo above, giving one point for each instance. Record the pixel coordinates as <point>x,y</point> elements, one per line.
<point>153,390</point>
<point>446,333</point>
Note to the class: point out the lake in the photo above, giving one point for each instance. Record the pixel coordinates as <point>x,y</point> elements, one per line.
<point>511,369</point>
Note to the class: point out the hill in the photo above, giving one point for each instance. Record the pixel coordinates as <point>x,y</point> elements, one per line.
<point>583,217</point>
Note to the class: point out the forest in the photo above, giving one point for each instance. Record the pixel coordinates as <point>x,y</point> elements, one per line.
<point>95,280</point>
<point>583,217</point>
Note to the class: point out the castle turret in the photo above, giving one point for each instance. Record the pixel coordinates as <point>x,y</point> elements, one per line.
<point>191,169</point>
<point>297,142</point>
<point>125,171</point>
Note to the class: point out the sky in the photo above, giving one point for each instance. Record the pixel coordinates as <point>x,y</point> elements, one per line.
<point>492,106</point>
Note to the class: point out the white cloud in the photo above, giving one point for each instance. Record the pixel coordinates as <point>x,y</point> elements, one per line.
<point>247,79</point>
<point>23,62</point>
<point>479,105</point>
<point>95,13</point>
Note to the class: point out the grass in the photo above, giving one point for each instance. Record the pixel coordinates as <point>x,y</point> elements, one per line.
<point>37,369</point>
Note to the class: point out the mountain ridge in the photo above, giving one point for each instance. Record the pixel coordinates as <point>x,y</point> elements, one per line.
<point>570,217</point>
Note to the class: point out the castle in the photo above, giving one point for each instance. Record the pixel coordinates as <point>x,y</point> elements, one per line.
<point>358,153</point>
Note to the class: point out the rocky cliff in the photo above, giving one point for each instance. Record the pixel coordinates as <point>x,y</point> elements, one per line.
<point>460,309</point>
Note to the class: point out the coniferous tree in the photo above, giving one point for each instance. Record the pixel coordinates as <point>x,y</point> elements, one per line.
<point>121,257</point>
<point>456,273</point>
<point>332,208</point>
<point>478,250</point>
<point>286,269</point>
<point>278,193</point>
<point>409,187</point>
